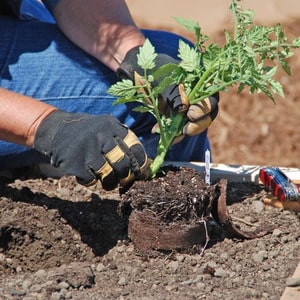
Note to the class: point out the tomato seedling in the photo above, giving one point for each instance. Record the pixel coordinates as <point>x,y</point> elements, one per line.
<point>249,58</point>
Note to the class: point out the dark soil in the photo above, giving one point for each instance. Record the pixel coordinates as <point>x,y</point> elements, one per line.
<point>179,196</point>
<point>171,212</point>
<point>179,212</point>
<point>59,240</point>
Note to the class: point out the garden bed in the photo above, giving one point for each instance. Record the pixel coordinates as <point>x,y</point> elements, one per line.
<point>59,239</point>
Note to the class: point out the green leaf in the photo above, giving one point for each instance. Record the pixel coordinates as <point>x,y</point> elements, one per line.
<point>121,100</point>
<point>124,88</point>
<point>271,72</point>
<point>164,71</point>
<point>296,42</point>
<point>190,58</point>
<point>286,67</point>
<point>188,24</point>
<point>146,56</point>
<point>142,109</point>
<point>163,84</point>
<point>277,88</point>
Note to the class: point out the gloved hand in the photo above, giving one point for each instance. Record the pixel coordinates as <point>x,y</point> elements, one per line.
<point>92,147</point>
<point>200,115</point>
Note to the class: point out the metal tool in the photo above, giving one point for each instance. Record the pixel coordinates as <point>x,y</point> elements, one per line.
<point>279,184</point>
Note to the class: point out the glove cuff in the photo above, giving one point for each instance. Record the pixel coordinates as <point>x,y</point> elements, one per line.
<point>129,65</point>
<point>48,129</point>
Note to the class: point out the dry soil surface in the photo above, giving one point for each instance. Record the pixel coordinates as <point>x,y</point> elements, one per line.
<point>59,240</point>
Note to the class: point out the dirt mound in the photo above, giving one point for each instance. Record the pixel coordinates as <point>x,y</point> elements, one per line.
<point>59,240</point>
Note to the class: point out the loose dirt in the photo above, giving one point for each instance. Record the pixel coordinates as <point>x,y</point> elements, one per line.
<point>59,240</point>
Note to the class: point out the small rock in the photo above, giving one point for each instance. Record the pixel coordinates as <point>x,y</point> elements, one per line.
<point>200,285</point>
<point>219,272</point>
<point>154,286</point>
<point>173,266</point>
<point>57,296</point>
<point>76,274</point>
<point>130,250</point>
<point>63,285</point>
<point>232,252</point>
<point>172,287</point>
<point>18,293</point>
<point>100,267</point>
<point>2,257</point>
<point>186,282</point>
<point>238,268</point>
<point>180,258</point>
<point>224,256</point>
<point>18,269</point>
<point>259,257</point>
<point>68,295</point>
<point>26,285</point>
<point>36,288</point>
<point>122,281</point>
<point>277,232</point>
<point>258,206</point>
<point>265,295</point>
<point>293,281</point>
<point>229,284</point>
<point>128,269</point>
<point>285,239</point>
<point>9,261</point>
<point>40,274</point>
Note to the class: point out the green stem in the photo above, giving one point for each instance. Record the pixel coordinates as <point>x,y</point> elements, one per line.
<point>216,90</point>
<point>166,138</point>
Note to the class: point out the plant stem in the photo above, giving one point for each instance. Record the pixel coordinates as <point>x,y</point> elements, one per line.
<point>165,141</point>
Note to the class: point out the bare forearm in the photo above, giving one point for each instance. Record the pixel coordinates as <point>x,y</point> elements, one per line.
<point>102,28</point>
<point>20,117</point>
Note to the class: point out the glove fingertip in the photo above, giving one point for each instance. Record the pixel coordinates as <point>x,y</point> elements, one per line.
<point>127,180</point>
<point>155,129</point>
<point>145,170</point>
<point>195,128</point>
<point>85,182</point>
<point>110,182</point>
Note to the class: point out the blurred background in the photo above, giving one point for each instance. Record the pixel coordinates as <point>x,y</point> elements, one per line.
<point>249,129</point>
<point>212,15</point>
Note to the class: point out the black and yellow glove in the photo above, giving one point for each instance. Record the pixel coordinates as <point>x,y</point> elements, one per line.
<point>92,148</point>
<point>174,97</point>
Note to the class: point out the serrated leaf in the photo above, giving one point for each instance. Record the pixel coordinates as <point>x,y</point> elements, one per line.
<point>121,100</point>
<point>286,67</point>
<point>277,87</point>
<point>124,88</point>
<point>146,56</point>
<point>188,24</point>
<point>296,42</point>
<point>271,72</point>
<point>190,59</point>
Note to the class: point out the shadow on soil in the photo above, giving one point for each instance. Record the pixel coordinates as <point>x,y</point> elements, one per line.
<point>97,221</point>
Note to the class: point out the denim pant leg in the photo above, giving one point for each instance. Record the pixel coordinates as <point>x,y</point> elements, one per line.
<point>37,60</point>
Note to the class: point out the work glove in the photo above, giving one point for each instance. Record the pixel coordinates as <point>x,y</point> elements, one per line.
<point>92,148</point>
<point>199,115</point>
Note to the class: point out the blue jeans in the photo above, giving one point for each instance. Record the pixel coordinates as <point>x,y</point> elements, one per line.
<point>37,60</point>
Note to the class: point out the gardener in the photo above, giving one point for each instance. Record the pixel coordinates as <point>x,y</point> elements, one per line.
<point>55,70</point>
